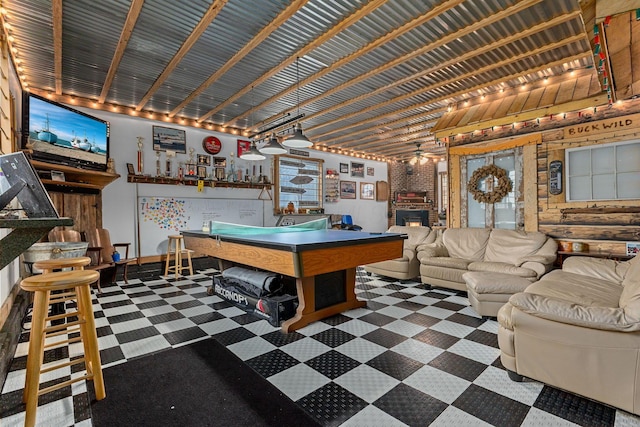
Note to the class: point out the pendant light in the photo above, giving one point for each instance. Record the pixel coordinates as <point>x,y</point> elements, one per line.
<point>272,146</point>
<point>297,140</point>
<point>253,153</point>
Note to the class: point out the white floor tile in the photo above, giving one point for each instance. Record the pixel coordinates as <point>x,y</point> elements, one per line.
<point>404,328</point>
<point>248,349</point>
<point>361,350</point>
<point>475,351</point>
<point>366,382</point>
<point>372,417</point>
<point>417,350</point>
<point>436,383</point>
<point>305,349</point>
<point>454,417</point>
<point>298,381</point>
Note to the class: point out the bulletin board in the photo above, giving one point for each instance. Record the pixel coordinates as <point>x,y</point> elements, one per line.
<point>159,217</point>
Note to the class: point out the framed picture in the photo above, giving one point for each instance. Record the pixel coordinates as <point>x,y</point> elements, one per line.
<point>57,176</point>
<point>204,160</point>
<point>202,171</point>
<point>371,171</point>
<point>169,139</point>
<point>344,167</point>
<point>367,191</point>
<point>130,169</point>
<point>347,189</point>
<point>243,146</point>
<point>357,170</point>
<point>633,248</point>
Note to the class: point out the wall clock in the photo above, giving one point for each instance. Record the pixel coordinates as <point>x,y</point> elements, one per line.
<point>211,145</point>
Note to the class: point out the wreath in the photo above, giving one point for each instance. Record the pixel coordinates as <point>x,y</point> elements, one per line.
<point>502,189</point>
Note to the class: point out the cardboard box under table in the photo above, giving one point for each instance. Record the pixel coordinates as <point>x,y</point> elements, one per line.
<point>323,262</point>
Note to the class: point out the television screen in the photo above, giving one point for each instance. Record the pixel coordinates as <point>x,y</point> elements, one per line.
<point>59,134</point>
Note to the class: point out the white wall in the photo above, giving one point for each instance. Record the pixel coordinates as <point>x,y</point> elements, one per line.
<point>119,198</point>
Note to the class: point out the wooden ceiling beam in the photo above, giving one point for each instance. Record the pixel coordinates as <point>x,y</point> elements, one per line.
<point>468,75</point>
<point>56,6</point>
<point>123,41</point>
<point>239,55</point>
<point>212,12</point>
<point>430,47</point>
<point>391,35</point>
<point>332,32</point>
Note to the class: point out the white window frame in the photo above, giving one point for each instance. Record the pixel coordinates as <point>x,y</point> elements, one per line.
<point>590,148</point>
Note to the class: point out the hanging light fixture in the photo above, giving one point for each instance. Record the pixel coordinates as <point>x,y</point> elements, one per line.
<point>297,140</point>
<point>253,153</point>
<point>272,146</point>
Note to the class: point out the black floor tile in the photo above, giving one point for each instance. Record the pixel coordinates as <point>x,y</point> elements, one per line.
<point>332,364</point>
<point>151,304</point>
<point>395,365</point>
<point>436,339</point>
<point>377,319</point>
<point>233,336</point>
<point>165,317</point>
<point>336,320</point>
<point>483,337</point>
<point>206,318</point>
<point>187,304</point>
<point>577,409</point>
<point>408,305</point>
<point>272,363</point>
<point>463,319</point>
<point>331,404</point>
<point>279,339</point>
<point>410,406</point>
<point>385,338</point>
<point>333,337</point>
<point>421,319</point>
<point>126,317</point>
<point>447,305</point>
<point>458,365</point>
<point>184,335</point>
<point>137,334</point>
<point>491,407</point>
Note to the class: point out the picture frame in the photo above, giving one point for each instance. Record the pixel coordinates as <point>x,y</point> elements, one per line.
<point>344,167</point>
<point>347,189</point>
<point>367,191</point>
<point>202,172</point>
<point>633,248</point>
<point>169,139</point>
<point>371,171</point>
<point>57,176</point>
<point>130,169</point>
<point>204,160</point>
<point>243,146</point>
<point>357,170</point>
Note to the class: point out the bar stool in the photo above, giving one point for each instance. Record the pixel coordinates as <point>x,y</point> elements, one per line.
<point>49,265</point>
<point>177,251</point>
<point>69,285</point>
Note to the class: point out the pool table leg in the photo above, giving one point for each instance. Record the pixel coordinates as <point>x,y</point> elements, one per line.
<point>306,312</point>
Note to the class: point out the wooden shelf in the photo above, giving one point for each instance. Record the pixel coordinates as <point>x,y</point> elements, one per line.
<point>76,177</point>
<point>142,179</point>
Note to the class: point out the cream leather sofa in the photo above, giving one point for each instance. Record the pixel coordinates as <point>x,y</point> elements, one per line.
<point>458,250</point>
<point>578,329</point>
<point>407,267</point>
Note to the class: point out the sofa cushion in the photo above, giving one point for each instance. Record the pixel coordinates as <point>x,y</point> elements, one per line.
<point>630,296</point>
<point>576,288</point>
<point>458,263</point>
<point>447,274</point>
<point>466,243</point>
<point>510,246</point>
<point>501,267</point>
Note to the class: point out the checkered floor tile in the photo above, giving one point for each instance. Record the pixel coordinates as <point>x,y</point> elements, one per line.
<point>413,356</point>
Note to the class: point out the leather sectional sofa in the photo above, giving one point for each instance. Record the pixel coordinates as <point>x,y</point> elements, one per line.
<point>526,255</point>
<point>578,329</point>
<point>407,267</point>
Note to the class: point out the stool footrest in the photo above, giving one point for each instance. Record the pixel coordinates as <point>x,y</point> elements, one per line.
<point>65,342</point>
<point>62,327</point>
<point>63,384</point>
<point>62,365</point>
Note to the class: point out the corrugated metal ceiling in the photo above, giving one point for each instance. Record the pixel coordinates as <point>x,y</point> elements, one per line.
<point>375,84</point>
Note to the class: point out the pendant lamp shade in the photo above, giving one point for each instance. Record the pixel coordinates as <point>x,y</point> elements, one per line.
<point>297,140</point>
<point>272,146</point>
<point>253,153</point>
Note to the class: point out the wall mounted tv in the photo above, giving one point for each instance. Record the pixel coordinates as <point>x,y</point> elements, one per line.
<point>59,134</point>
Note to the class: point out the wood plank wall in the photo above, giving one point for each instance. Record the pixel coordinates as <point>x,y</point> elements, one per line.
<point>602,225</point>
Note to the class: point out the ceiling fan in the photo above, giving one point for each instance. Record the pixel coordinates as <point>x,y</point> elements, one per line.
<point>419,156</point>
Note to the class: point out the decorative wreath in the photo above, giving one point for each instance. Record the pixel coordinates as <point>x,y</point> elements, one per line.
<point>498,193</point>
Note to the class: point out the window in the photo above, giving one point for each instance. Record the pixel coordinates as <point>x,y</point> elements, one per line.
<point>604,172</point>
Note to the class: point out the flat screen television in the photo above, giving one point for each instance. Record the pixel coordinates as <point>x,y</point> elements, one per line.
<point>59,134</point>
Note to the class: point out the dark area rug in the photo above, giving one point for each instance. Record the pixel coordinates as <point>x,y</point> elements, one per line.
<point>200,384</point>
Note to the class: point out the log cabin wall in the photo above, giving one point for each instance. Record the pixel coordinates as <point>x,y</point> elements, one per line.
<point>84,208</point>
<point>603,225</point>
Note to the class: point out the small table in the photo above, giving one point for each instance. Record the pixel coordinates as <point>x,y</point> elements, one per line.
<point>323,262</point>
<point>618,257</point>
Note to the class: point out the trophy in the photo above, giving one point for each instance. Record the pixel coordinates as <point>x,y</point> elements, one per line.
<point>140,159</point>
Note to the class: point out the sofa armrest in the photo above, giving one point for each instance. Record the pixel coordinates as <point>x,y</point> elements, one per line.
<point>568,312</point>
<point>431,250</point>
<point>539,267</point>
<point>601,268</point>
<point>409,254</point>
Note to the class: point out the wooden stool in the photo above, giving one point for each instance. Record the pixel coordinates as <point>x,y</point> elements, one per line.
<point>177,266</point>
<point>75,285</point>
<point>48,265</point>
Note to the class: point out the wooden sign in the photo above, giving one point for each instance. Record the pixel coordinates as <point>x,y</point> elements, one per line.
<point>602,126</point>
